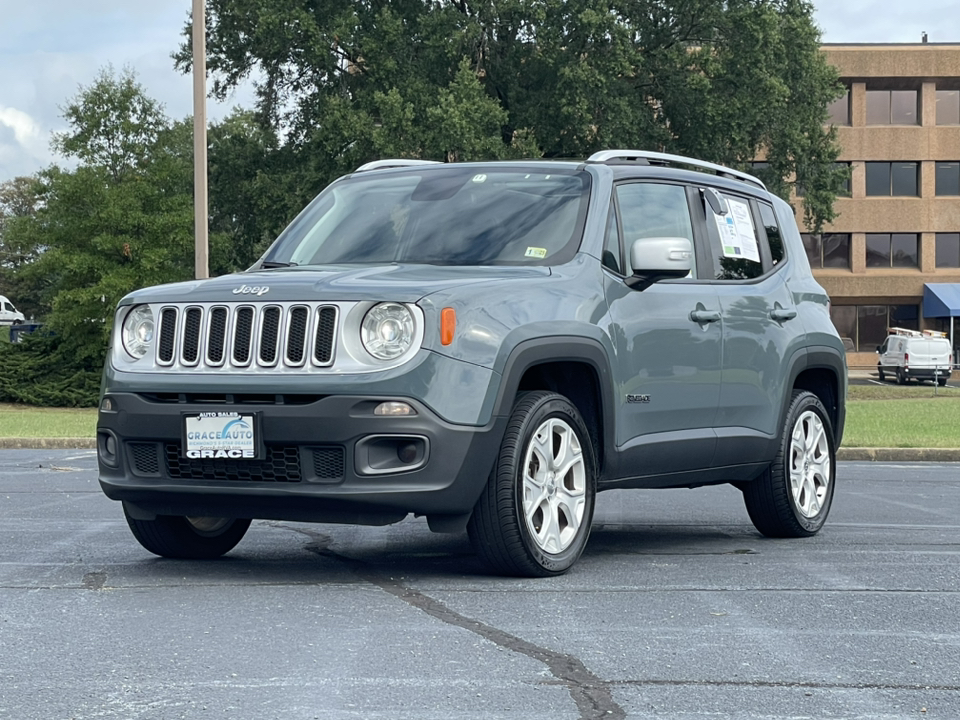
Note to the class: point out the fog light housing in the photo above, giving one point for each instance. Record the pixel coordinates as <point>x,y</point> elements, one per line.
<point>394,409</point>
<point>107,448</point>
<point>108,405</point>
<point>384,454</point>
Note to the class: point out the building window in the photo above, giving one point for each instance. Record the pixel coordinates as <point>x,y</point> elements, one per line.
<point>864,327</point>
<point>892,107</point>
<point>948,178</point>
<point>831,250</point>
<point>948,250</point>
<point>900,179</point>
<point>948,107</point>
<point>892,250</point>
<point>838,111</point>
<point>845,189</point>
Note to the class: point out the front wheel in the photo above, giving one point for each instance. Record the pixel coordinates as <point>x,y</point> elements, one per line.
<point>881,374</point>
<point>793,496</point>
<point>192,538</point>
<point>533,518</point>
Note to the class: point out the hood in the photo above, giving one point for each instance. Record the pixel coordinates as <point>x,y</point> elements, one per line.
<point>400,283</point>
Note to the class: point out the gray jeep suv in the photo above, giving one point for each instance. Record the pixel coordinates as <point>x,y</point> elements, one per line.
<point>487,345</point>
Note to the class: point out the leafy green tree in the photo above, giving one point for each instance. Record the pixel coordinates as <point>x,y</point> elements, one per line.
<point>19,244</point>
<point>723,80</point>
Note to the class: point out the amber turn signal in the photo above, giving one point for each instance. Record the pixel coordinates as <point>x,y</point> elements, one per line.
<point>448,324</point>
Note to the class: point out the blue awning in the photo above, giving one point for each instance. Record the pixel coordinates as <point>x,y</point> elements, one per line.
<point>941,300</point>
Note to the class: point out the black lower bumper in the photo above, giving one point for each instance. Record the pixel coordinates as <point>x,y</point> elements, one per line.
<point>321,460</point>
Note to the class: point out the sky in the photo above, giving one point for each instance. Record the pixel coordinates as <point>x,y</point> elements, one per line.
<point>49,49</point>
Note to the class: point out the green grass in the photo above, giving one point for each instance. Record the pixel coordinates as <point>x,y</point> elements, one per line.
<point>22,421</point>
<point>877,416</point>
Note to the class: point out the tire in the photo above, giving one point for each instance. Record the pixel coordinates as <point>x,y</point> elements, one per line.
<point>942,382</point>
<point>880,374</point>
<point>530,521</point>
<point>901,378</point>
<point>199,538</point>
<point>793,496</point>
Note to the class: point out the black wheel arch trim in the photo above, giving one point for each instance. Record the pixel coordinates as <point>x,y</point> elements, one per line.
<point>538,351</point>
<point>826,358</point>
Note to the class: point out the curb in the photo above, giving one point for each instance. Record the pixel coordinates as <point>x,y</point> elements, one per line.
<point>845,453</point>
<point>899,454</point>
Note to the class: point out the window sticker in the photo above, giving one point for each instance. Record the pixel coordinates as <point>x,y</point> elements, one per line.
<point>536,252</point>
<point>479,178</point>
<point>737,233</point>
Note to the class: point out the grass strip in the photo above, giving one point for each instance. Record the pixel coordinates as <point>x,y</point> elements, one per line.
<point>24,421</point>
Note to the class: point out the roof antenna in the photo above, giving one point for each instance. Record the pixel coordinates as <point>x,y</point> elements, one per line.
<point>923,38</point>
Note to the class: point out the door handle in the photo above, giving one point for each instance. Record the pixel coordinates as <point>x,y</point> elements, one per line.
<point>781,314</point>
<point>705,316</point>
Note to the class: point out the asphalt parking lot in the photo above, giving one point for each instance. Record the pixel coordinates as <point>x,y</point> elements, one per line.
<point>678,609</point>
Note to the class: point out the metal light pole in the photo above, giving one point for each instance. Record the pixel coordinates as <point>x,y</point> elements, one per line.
<point>201,242</point>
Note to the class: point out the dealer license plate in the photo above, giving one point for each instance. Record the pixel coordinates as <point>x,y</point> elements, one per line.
<point>220,435</point>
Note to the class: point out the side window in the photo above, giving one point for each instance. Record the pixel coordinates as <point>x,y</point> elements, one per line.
<point>734,241</point>
<point>611,245</point>
<point>774,238</point>
<point>649,210</point>
<point>8,307</point>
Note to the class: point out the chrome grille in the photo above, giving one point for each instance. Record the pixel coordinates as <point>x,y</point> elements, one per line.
<point>238,337</point>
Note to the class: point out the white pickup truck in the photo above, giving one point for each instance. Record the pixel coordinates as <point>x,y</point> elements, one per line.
<point>914,354</point>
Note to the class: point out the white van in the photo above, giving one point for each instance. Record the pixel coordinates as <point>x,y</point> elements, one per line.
<point>9,315</point>
<point>913,354</point>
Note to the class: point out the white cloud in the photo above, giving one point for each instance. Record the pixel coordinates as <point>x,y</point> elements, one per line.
<point>25,129</point>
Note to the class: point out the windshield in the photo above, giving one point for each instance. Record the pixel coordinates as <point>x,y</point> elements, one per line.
<point>441,216</point>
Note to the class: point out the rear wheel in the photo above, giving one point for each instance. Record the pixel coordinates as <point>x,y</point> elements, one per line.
<point>195,538</point>
<point>901,378</point>
<point>533,518</point>
<point>793,496</point>
<point>941,382</point>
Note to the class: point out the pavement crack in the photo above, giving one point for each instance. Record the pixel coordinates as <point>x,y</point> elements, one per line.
<point>592,695</point>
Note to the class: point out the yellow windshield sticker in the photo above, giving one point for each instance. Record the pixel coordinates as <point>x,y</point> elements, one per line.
<point>535,252</point>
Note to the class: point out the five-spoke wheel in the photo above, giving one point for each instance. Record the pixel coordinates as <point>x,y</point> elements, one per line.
<point>534,515</point>
<point>793,496</point>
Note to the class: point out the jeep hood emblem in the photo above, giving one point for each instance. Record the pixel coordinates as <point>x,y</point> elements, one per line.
<point>257,290</point>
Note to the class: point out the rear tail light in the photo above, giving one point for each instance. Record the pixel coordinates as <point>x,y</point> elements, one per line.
<point>906,360</point>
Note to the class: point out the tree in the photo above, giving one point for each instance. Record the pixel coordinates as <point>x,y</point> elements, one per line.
<point>19,246</point>
<point>344,82</point>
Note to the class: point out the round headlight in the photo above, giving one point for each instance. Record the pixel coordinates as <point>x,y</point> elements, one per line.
<point>387,331</point>
<point>138,331</point>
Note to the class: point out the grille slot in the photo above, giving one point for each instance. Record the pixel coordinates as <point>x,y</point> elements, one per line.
<point>168,335</point>
<point>297,335</point>
<point>326,331</point>
<point>245,337</point>
<point>282,464</point>
<point>217,335</point>
<point>191,335</point>
<point>269,335</point>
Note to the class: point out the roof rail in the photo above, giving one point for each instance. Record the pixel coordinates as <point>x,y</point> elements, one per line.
<point>656,158</point>
<point>399,162</point>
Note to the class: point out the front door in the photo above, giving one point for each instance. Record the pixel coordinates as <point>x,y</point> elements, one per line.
<point>668,340</point>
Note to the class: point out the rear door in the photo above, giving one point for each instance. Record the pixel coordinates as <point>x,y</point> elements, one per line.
<point>762,330</point>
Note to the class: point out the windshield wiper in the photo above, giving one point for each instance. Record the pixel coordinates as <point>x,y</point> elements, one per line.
<point>271,264</point>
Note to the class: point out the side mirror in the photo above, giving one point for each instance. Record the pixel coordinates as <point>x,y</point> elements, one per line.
<point>659,258</point>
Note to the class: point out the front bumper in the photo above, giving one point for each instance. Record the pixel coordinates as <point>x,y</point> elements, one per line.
<point>317,466</point>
